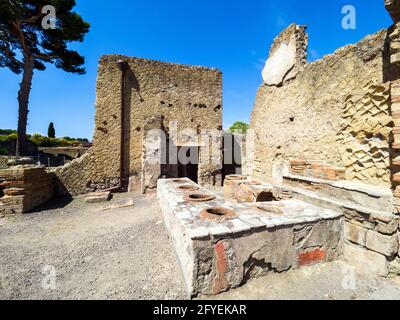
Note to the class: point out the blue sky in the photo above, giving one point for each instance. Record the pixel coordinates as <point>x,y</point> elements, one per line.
<point>233,36</point>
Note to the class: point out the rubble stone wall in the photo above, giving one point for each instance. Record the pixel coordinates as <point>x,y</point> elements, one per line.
<point>336,110</point>
<point>80,176</point>
<point>372,242</point>
<point>191,96</point>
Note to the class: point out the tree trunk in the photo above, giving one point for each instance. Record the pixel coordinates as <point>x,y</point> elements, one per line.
<point>23,101</point>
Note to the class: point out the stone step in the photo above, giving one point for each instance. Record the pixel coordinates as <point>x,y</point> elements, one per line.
<point>350,192</point>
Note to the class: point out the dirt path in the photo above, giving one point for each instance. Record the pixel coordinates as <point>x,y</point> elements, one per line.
<point>115,254</point>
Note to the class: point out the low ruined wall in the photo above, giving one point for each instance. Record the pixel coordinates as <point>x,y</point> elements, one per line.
<point>372,242</point>
<point>25,188</point>
<point>336,110</point>
<point>77,176</point>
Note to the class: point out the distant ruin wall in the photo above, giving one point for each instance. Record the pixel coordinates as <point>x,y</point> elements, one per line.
<point>188,95</point>
<point>3,161</point>
<point>337,110</point>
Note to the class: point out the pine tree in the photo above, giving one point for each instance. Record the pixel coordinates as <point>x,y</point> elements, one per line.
<point>27,43</point>
<point>51,132</point>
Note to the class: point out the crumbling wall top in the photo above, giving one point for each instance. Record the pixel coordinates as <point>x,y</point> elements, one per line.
<point>393,6</point>
<point>287,56</point>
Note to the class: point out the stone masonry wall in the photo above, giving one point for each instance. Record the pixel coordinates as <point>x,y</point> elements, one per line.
<point>372,242</point>
<point>190,96</point>
<point>336,110</point>
<point>25,188</point>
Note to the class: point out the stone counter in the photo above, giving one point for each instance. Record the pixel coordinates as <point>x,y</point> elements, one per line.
<point>220,245</point>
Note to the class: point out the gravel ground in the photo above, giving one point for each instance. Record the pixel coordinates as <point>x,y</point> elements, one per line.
<point>126,254</point>
<point>115,254</point>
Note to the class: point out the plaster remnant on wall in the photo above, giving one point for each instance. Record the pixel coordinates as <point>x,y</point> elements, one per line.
<point>309,117</point>
<point>287,56</point>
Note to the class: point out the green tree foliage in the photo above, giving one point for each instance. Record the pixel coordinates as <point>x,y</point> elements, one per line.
<point>7,131</point>
<point>25,45</point>
<point>7,141</point>
<point>239,127</point>
<point>51,132</point>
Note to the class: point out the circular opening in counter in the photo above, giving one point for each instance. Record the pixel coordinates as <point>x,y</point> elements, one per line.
<point>199,197</point>
<point>188,187</point>
<point>217,213</point>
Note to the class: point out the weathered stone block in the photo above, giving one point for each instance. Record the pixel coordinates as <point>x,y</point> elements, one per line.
<point>395,58</point>
<point>394,267</point>
<point>365,260</point>
<point>390,227</point>
<point>98,197</point>
<point>383,244</point>
<point>354,233</point>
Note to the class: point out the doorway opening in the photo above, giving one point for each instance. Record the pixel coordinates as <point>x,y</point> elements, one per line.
<point>182,163</point>
<point>188,165</point>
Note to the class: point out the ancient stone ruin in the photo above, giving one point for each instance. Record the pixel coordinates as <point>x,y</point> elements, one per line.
<point>320,172</point>
<point>324,181</point>
<point>135,96</point>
